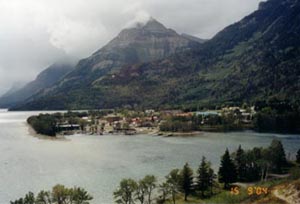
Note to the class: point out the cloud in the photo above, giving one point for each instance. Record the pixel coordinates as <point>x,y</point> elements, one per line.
<point>140,18</point>
<point>36,33</point>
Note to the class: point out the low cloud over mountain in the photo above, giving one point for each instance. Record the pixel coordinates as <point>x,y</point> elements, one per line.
<point>34,34</point>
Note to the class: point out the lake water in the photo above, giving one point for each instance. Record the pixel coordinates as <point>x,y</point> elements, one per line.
<point>98,163</point>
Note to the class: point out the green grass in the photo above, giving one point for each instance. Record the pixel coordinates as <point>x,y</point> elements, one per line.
<point>191,200</point>
<point>228,198</point>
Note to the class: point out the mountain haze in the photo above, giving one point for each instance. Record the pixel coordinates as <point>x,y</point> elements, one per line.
<point>45,79</point>
<point>257,58</point>
<point>140,44</point>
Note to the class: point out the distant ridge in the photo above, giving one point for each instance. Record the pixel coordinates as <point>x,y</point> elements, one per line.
<point>44,80</point>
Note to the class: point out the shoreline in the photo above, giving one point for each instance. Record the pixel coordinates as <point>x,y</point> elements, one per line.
<point>33,133</point>
<point>142,131</point>
<point>180,134</point>
<point>139,131</point>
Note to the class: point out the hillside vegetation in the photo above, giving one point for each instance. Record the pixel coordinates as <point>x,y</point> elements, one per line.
<point>254,59</point>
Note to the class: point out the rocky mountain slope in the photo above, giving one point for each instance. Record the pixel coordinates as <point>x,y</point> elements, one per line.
<point>254,59</point>
<point>257,58</point>
<point>45,79</point>
<point>143,43</point>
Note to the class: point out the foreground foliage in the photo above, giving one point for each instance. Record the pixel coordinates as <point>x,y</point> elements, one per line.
<point>59,195</point>
<point>130,191</point>
<point>182,185</point>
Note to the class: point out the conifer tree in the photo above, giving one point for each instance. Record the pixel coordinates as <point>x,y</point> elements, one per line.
<point>227,171</point>
<point>203,177</point>
<point>240,161</point>
<point>187,180</point>
<point>211,178</point>
<point>277,155</point>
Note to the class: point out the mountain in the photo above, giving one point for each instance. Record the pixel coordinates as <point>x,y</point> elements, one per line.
<point>143,43</point>
<point>257,58</point>
<point>45,79</point>
<point>140,44</point>
<point>193,38</point>
<point>254,59</point>
<point>15,87</point>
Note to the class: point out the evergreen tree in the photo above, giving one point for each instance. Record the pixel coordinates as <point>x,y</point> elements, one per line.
<point>203,177</point>
<point>187,180</point>
<point>298,157</point>
<point>227,171</point>
<point>277,155</point>
<point>240,161</point>
<point>211,178</point>
<point>253,160</point>
<point>265,163</point>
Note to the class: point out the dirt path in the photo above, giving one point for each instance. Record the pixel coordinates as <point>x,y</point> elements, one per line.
<point>281,197</point>
<point>287,193</point>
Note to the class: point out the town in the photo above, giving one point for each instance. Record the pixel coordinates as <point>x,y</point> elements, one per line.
<point>129,122</point>
<point>262,117</point>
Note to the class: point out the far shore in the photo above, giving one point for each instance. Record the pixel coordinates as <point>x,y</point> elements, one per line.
<point>180,134</point>
<point>140,131</point>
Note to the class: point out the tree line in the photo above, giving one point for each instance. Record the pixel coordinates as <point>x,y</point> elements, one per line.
<point>58,195</point>
<point>277,116</point>
<point>177,181</point>
<point>239,166</point>
<point>270,116</point>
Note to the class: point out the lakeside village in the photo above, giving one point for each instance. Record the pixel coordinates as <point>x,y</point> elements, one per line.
<point>128,122</point>
<point>270,118</point>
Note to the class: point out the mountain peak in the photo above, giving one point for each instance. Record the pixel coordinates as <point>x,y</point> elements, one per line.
<point>153,25</point>
<point>143,30</point>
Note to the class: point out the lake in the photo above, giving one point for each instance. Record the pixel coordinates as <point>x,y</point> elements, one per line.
<point>98,163</point>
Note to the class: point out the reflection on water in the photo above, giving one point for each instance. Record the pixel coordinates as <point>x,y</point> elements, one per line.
<point>98,163</point>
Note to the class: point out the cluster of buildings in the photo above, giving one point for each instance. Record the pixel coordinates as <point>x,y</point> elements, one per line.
<point>149,119</point>
<point>118,123</point>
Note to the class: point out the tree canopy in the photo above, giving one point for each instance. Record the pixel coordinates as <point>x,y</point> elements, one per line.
<point>59,195</point>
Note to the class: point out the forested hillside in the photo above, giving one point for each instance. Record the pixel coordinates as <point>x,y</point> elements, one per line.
<point>254,59</point>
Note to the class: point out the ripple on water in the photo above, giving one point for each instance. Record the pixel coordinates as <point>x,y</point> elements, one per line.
<point>98,163</point>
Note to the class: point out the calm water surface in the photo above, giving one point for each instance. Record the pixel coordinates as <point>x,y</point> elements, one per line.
<point>98,163</point>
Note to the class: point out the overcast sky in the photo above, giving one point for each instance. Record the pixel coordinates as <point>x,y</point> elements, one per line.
<point>36,33</point>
